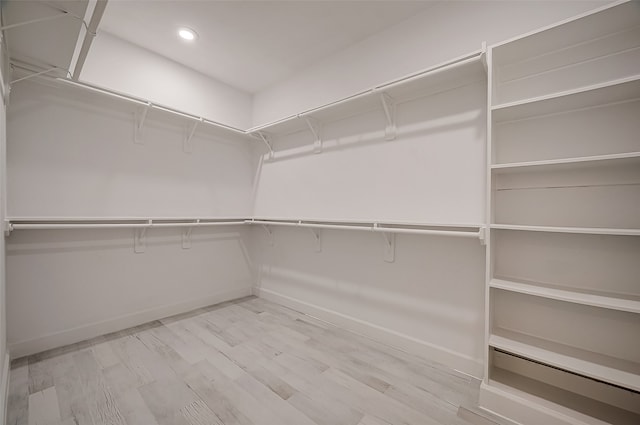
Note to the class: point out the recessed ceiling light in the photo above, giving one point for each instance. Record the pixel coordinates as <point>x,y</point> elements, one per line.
<point>187,34</point>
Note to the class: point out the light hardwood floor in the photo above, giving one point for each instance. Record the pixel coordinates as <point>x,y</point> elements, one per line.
<point>247,362</point>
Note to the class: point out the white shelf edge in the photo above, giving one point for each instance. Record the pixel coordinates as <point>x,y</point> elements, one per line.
<point>558,24</point>
<point>572,364</point>
<point>136,100</point>
<point>580,230</point>
<point>563,161</point>
<point>563,94</point>
<point>567,295</point>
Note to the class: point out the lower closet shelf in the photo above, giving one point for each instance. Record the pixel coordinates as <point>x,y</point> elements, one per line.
<point>596,299</point>
<point>608,369</point>
<point>537,393</point>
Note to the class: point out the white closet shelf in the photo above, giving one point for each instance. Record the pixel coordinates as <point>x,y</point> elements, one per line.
<point>518,389</point>
<point>583,161</point>
<point>582,230</point>
<point>622,90</point>
<point>219,128</point>
<point>590,25</point>
<point>595,299</point>
<point>623,373</point>
<point>442,77</point>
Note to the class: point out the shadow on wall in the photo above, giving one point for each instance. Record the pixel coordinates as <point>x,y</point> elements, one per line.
<point>462,108</point>
<point>425,294</point>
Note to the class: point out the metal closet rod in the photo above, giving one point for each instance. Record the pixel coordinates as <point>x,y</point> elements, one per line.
<point>60,224</point>
<point>143,225</point>
<point>373,227</point>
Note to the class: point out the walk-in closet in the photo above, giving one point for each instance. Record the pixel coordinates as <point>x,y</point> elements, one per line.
<point>390,212</point>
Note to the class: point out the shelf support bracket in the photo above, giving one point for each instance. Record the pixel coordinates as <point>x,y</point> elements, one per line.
<point>267,142</point>
<point>141,116</point>
<point>316,129</point>
<point>187,147</point>
<point>389,240</point>
<point>482,235</point>
<point>389,107</point>
<point>7,228</point>
<point>483,56</point>
<point>43,19</point>
<point>186,236</point>
<point>317,236</point>
<point>269,234</point>
<point>140,239</point>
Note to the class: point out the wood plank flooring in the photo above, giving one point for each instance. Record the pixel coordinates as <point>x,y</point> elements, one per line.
<point>247,362</point>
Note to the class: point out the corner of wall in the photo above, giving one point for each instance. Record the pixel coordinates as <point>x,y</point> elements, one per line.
<point>158,79</point>
<point>4,356</point>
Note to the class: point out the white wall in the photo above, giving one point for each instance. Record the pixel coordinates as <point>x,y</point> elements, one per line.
<point>118,65</point>
<point>75,156</point>
<point>4,359</point>
<point>430,300</point>
<point>69,285</point>
<point>440,33</point>
<point>432,173</point>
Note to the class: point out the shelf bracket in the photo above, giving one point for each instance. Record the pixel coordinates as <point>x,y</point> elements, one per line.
<point>36,74</point>
<point>43,19</point>
<point>316,129</point>
<point>140,239</point>
<point>482,234</point>
<point>141,116</point>
<point>267,142</point>
<point>187,147</point>
<point>317,236</point>
<point>389,106</point>
<point>269,234</point>
<point>186,236</point>
<point>389,245</point>
<point>483,56</point>
<point>7,228</point>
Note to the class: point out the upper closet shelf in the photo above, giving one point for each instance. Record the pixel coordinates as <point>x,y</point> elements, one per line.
<point>622,90</point>
<point>577,162</point>
<point>592,25</point>
<point>144,107</point>
<point>446,76</point>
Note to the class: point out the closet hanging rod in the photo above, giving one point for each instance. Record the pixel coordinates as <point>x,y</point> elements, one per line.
<point>374,227</point>
<point>143,225</point>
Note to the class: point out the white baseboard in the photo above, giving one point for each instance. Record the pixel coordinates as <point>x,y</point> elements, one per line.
<point>91,330</point>
<point>4,387</point>
<point>454,360</point>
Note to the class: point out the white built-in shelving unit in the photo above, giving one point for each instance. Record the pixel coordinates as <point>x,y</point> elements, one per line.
<point>563,211</point>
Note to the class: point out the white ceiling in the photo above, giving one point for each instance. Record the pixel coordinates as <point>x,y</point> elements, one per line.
<point>251,45</point>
